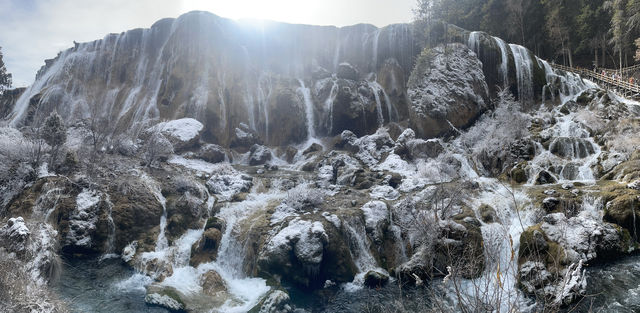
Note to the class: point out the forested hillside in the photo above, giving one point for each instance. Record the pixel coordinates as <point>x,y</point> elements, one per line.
<point>572,32</point>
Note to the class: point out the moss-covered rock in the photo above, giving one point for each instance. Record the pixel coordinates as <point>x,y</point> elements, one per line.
<point>461,246</point>
<point>487,213</point>
<point>166,297</point>
<point>519,173</point>
<point>622,207</point>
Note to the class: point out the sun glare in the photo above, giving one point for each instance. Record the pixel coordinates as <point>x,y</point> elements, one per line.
<point>290,11</point>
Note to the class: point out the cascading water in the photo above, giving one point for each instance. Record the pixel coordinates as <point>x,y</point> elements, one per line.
<point>376,95</point>
<point>154,188</point>
<point>474,42</point>
<point>374,47</point>
<point>524,72</point>
<point>111,240</point>
<point>377,89</point>
<point>329,103</point>
<point>263,98</point>
<point>359,247</point>
<point>569,85</point>
<point>504,64</point>
<point>572,152</point>
<point>308,106</point>
<point>497,287</point>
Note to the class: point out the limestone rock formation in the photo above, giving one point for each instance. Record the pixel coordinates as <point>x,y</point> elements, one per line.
<point>437,105</point>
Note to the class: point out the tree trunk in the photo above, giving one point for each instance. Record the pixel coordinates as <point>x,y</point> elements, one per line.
<point>570,57</point>
<point>604,54</point>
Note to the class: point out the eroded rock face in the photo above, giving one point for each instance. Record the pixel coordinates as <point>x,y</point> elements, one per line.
<point>435,102</point>
<point>224,74</point>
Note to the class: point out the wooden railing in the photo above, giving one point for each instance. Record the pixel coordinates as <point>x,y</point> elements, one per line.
<point>628,89</point>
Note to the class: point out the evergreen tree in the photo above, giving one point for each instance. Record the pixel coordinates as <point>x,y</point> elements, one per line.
<point>618,30</point>
<point>5,78</point>
<point>54,133</point>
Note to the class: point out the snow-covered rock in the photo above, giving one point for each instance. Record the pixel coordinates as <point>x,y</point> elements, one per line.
<point>15,234</point>
<point>83,219</point>
<point>226,182</point>
<point>376,217</point>
<point>259,155</point>
<point>182,133</point>
<point>369,148</point>
<point>384,193</point>
<point>437,105</point>
<point>276,301</point>
<point>300,242</point>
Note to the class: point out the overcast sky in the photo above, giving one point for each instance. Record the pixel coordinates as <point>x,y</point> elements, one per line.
<point>34,30</point>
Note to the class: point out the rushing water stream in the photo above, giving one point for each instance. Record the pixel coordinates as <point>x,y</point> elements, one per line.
<point>102,286</point>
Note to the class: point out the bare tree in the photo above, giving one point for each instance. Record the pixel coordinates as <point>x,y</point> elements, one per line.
<point>157,147</point>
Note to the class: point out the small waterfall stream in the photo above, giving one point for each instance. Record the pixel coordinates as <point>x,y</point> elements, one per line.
<point>524,72</point>
<point>308,109</point>
<point>504,65</point>
<point>376,95</point>
<point>329,103</point>
<point>359,247</point>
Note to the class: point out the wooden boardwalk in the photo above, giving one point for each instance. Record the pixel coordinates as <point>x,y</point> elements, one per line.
<point>622,86</point>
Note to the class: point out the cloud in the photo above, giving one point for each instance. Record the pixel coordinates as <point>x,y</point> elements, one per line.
<point>34,30</point>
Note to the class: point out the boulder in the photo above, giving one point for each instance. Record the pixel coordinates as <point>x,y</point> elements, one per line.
<point>135,210</point>
<point>375,279</point>
<point>290,154</point>
<point>213,285</point>
<point>544,178</point>
<point>436,104</point>
<point>303,253</point>
<point>182,133</point>
<point>259,155</point>
<point>166,297</point>
<point>244,137</point>
<point>488,214</point>
<point>227,183</point>
<point>15,234</point>
<point>314,147</point>
<point>347,71</point>
<point>211,153</point>
<point>276,301</point>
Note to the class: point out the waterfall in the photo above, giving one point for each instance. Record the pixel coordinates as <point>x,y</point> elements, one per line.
<point>111,240</point>
<point>501,244</point>
<point>153,186</point>
<point>263,101</point>
<point>248,94</point>
<point>223,104</point>
<point>376,95</point>
<point>504,65</point>
<point>376,37</point>
<point>359,243</point>
<point>474,42</point>
<point>571,155</point>
<point>336,55</point>
<point>308,105</point>
<point>524,72</point>
<point>329,103</point>
<point>377,89</point>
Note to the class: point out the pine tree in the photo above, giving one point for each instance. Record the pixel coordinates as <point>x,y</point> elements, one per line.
<point>54,133</point>
<point>618,30</point>
<point>5,78</point>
